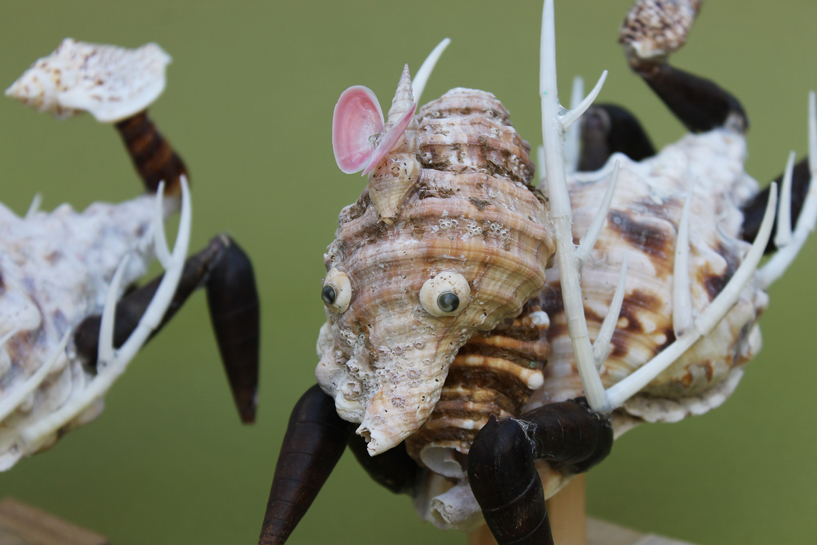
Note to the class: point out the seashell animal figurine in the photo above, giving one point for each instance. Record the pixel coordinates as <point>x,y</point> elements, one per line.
<point>71,316</point>
<point>487,338</point>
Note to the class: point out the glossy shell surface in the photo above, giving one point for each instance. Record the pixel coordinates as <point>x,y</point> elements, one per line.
<point>643,224</point>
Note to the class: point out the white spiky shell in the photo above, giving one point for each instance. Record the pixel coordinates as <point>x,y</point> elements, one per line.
<point>55,270</point>
<point>110,82</point>
<point>643,224</point>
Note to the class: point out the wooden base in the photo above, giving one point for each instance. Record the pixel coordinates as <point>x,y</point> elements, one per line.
<point>22,524</point>
<point>570,525</point>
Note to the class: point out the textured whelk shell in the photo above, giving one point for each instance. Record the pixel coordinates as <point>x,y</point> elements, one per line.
<point>465,209</point>
<point>643,224</point>
<point>109,82</point>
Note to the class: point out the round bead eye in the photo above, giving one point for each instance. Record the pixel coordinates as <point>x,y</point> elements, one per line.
<point>337,290</point>
<point>447,294</point>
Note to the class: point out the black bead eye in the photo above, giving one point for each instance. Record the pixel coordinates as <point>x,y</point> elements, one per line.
<point>328,295</point>
<point>448,301</point>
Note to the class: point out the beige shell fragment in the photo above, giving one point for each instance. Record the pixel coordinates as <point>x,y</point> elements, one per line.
<point>111,83</point>
<point>656,28</point>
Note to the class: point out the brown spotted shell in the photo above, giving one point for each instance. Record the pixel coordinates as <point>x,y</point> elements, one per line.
<point>472,212</point>
<point>643,223</point>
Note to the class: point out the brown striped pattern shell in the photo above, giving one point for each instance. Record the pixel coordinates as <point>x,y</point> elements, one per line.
<point>471,212</point>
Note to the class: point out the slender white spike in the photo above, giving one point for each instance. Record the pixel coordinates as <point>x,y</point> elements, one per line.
<point>592,235</point>
<point>167,288</point>
<point>420,80</point>
<point>681,294</point>
<point>559,200</point>
<point>34,207</point>
<point>105,349</point>
<point>573,135</point>
<point>783,235</point>
<point>9,404</point>
<point>160,242</point>
<point>784,257</point>
<point>44,428</point>
<point>570,117</point>
<point>601,346</point>
<point>710,317</point>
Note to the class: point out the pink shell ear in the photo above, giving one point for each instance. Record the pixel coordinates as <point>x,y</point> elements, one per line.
<point>357,117</point>
<point>390,139</point>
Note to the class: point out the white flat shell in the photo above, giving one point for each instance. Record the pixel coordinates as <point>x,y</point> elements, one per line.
<point>111,83</point>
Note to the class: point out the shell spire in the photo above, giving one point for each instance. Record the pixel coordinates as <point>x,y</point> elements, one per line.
<point>394,175</point>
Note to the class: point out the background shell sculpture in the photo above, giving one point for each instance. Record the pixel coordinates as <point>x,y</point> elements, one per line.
<point>61,267</point>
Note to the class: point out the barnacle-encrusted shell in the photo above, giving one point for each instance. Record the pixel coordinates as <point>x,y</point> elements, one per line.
<point>110,82</point>
<point>472,212</point>
<point>643,223</point>
<point>54,271</point>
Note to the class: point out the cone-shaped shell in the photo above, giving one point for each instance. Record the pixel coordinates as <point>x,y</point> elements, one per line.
<point>385,357</point>
<point>394,175</point>
<point>109,82</point>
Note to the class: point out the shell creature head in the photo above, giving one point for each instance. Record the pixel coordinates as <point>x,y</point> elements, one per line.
<point>448,239</point>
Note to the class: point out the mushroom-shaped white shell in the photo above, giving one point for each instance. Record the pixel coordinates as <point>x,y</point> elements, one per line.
<point>111,83</point>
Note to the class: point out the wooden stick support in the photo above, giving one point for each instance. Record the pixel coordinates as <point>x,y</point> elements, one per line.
<point>22,524</point>
<point>571,526</point>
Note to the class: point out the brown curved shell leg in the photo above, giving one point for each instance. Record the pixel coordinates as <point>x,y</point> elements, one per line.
<point>607,129</point>
<point>315,440</point>
<point>753,210</point>
<point>652,31</point>
<point>502,471</point>
<point>225,270</point>
<point>151,153</point>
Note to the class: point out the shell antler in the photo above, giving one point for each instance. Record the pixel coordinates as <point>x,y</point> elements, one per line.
<point>358,121</point>
<point>688,331</point>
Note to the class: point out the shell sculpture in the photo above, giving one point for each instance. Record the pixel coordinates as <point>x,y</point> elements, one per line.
<point>456,289</point>
<point>65,333</point>
<point>60,267</point>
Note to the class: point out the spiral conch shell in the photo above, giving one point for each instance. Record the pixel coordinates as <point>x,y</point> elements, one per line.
<point>449,205</point>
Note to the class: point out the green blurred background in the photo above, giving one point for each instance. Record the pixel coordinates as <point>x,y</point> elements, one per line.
<point>249,105</point>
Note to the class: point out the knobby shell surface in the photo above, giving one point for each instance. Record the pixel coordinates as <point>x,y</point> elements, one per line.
<point>469,211</point>
<point>721,480</point>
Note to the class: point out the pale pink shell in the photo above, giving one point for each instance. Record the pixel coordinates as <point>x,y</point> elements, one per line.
<point>357,118</point>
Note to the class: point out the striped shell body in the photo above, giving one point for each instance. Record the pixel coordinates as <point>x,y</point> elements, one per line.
<point>472,213</point>
<point>55,269</point>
